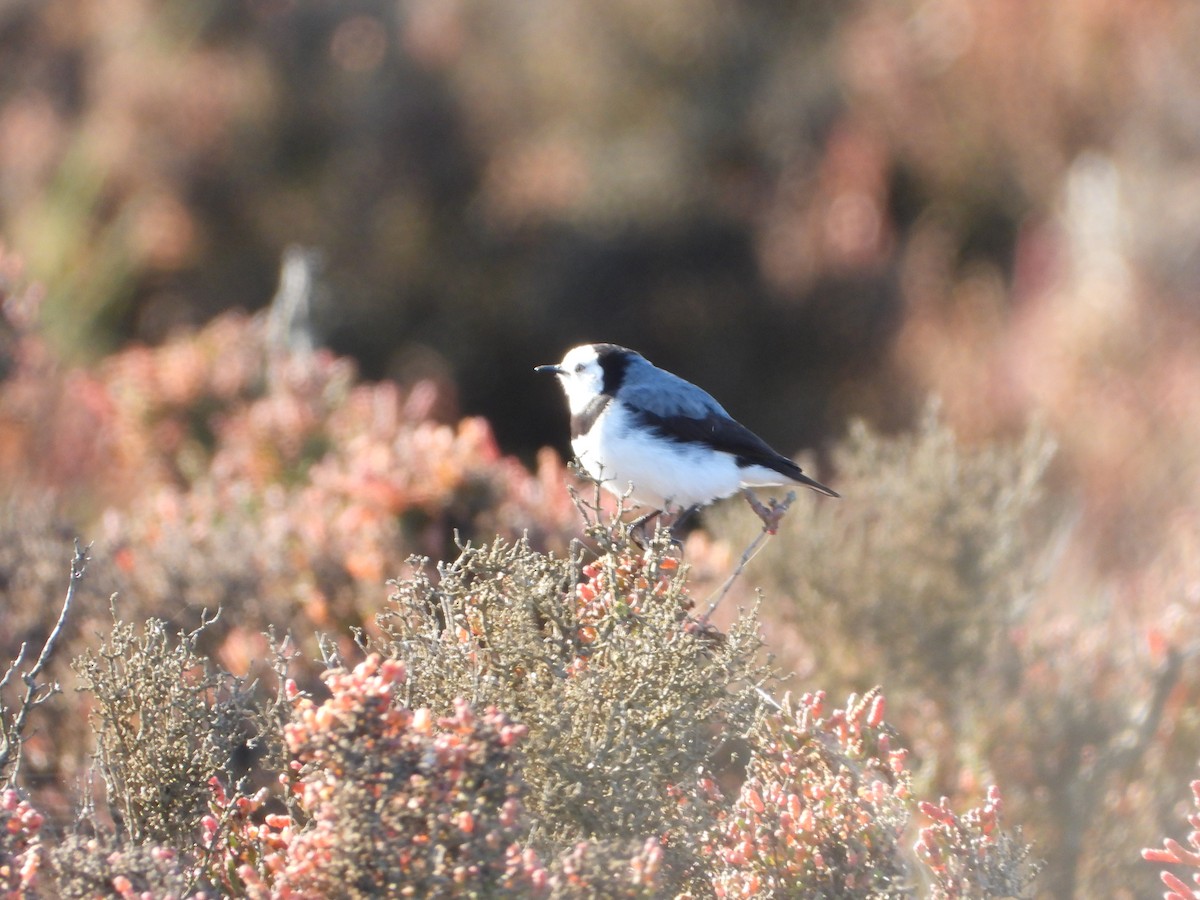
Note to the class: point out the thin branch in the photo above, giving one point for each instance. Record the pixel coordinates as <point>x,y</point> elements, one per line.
<point>1132,743</point>
<point>767,698</point>
<point>1084,785</point>
<point>14,665</point>
<point>771,515</point>
<point>35,694</point>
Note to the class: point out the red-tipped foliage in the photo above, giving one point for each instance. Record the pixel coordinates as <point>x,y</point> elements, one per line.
<point>396,797</point>
<point>969,855</point>
<point>823,808</point>
<point>20,846</point>
<point>1175,854</point>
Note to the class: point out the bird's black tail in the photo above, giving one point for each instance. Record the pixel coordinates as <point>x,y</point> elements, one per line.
<point>815,485</point>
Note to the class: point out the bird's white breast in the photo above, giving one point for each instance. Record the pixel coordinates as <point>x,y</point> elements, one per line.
<point>663,474</point>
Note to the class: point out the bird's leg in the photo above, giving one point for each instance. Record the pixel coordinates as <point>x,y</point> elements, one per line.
<point>680,521</point>
<point>637,528</point>
<point>641,521</point>
<point>770,515</point>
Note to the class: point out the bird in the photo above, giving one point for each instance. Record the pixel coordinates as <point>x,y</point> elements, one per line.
<point>658,440</point>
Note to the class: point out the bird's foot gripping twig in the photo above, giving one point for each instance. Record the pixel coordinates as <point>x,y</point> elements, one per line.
<point>771,514</point>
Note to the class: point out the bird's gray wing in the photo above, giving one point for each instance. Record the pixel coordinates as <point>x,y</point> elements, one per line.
<point>657,391</point>
<point>679,411</point>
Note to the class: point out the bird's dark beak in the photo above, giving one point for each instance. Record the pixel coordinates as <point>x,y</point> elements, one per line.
<point>548,370</point>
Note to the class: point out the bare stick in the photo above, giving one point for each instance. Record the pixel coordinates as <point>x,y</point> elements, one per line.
<point>35,694</point>
<point>770,515</point>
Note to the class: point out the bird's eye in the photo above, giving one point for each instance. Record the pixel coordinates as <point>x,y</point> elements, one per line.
<point>578,368</point>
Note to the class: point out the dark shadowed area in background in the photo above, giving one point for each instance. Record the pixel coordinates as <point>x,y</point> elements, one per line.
<point>488,186</point>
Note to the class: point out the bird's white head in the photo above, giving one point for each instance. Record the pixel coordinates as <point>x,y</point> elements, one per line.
<point>580,374</point>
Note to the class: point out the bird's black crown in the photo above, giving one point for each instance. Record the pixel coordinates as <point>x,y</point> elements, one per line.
<point>614,363</point>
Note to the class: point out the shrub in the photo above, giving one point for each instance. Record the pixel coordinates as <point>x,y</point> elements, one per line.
<point>87,868</point>
<point>970,856</point>
<point>401,802</point>
<point>823,809</point>
<point>166,722</point>
<point>625,699</point>
<point>923,568</point>
<point>524,725</point>
<point>20,845</point>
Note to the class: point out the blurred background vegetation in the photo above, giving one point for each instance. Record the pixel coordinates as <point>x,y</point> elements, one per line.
<point>821,211</point>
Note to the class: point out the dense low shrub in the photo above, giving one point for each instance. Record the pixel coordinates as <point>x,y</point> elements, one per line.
<point>937,569</point>
<point>523,724</point>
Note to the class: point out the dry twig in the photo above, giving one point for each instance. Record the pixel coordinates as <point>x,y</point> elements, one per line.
<point>771,514</point>
<point>12,722</point>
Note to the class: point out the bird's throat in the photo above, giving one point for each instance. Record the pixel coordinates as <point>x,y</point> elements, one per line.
<point>582,421</point>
